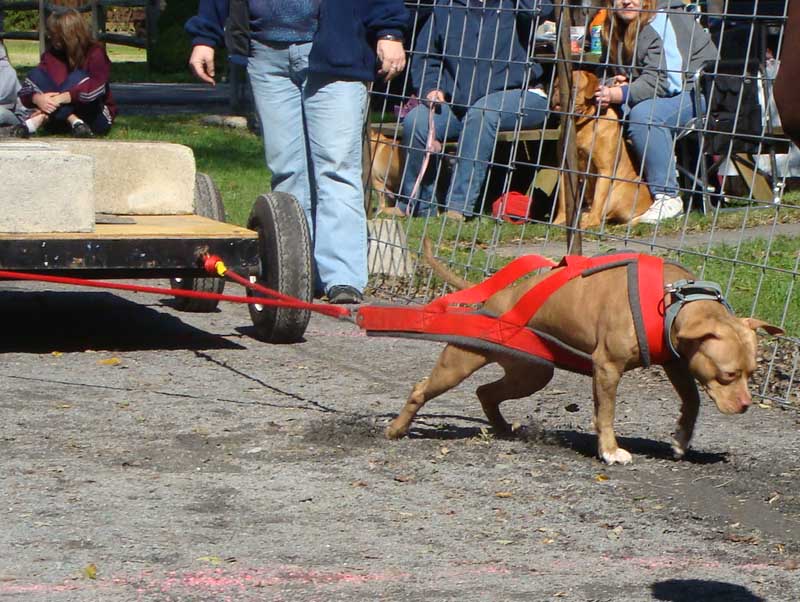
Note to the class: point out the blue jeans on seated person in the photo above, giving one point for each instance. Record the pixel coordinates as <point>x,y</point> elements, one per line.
<point>476,132</point>
<point>651,128</point>
<point>312,128</point>
<point>8,117</point>
<point>95,114</point>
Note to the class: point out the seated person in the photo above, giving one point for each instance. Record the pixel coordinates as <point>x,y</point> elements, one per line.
<point>12,112</point>
<point>472,71</point>
<point>668,42</point>
<point>69,89</point>
<point>789,73</point>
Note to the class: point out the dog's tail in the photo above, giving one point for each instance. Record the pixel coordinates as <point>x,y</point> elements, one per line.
<point>440,269</point>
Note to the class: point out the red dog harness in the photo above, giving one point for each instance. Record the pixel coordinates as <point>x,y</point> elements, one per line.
<point>458,318</point>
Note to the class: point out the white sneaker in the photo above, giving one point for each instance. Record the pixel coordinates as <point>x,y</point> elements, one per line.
<point>665,206</point>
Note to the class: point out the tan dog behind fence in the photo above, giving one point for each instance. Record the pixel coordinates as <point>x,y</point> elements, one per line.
<point>592,314</point>
<point>385,170</point>
<point>613,189</point>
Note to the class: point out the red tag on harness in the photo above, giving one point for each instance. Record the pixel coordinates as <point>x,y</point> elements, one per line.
<point>512,207</point>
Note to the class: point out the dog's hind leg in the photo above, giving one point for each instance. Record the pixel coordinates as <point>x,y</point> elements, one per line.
<point>686,387</point>
<point>521,379</point>
<point>454,365</point>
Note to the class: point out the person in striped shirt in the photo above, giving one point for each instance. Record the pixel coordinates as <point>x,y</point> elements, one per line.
<point>69,89</point>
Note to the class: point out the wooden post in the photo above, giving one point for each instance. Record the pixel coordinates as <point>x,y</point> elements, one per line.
<point>95,19</point>
<point>566,144</point>
<point>151,22</point>
<point>99,18</point>
<point>42,26</point>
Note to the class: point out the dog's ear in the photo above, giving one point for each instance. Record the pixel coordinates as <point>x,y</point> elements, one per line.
<point>755,324</point>
<point>697,331</point>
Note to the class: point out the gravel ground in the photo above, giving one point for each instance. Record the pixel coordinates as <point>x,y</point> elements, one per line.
<point>149,455</point>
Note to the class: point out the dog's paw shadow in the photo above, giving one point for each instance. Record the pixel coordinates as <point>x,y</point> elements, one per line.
<point>586,445</point>
<point>444,431</point>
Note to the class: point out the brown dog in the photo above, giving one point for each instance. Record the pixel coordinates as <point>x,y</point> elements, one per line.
<point>385,171</point>
<point>716,348</point>
<point>613,190</point>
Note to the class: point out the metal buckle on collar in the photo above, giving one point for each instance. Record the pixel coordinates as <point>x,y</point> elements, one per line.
<point>686,291</point>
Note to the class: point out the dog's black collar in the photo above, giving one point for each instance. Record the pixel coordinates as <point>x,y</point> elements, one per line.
<point>686,291</point>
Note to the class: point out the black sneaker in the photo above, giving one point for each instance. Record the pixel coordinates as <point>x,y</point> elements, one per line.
<point>81,130</point>
<point>20,131</point>
<point>344,294</point>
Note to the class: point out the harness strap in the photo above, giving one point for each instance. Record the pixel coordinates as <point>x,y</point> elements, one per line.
<point>650,271</point>
<point>467,326</point>
<point>522,266</point>
<point>531,301</point>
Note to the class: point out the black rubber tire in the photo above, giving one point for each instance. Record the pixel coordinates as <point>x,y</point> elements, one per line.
<point>285,252</point>
<point>207,203</point>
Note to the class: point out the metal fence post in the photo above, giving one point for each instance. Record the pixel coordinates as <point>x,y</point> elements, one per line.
<point>566,142</point>
<point>42,25</point>
<point>152,12</point>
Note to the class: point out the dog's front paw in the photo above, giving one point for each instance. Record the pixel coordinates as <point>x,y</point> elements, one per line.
<point>618,456</point>
<point>679,445</point>
<point>395,432</point>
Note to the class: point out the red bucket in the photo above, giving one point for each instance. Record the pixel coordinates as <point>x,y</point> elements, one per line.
<point>513,207</point>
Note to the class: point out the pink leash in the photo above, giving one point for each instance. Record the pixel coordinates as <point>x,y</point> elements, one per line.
<point>430,147</point>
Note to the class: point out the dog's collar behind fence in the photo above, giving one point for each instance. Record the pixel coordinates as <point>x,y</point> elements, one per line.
<point>686,291</point>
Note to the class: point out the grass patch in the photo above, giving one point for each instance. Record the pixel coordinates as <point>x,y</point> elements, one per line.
<point>128,65</point>
<point>760,276</point>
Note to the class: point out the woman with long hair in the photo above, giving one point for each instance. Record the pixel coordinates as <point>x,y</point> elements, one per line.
<point>652,45</point>
<point>69,89</point>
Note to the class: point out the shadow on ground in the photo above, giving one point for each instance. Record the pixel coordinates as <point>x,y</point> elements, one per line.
<point>46,321</point>
<point>695,590</point>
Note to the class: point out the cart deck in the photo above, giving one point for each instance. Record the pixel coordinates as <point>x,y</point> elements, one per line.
<point>133,246</point>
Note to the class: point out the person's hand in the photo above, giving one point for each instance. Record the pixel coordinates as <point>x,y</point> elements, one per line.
<point>607,95</point>
<point>434,96</point>
<point>45,101</point>
<point>392,58</point>
<point>63,98</point>
<point>620,80</point>
<point>201,63</point>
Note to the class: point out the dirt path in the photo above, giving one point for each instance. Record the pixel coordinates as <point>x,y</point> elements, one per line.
<point>188,462</point>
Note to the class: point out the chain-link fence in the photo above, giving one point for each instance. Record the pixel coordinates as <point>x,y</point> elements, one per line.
<point>528,127</point>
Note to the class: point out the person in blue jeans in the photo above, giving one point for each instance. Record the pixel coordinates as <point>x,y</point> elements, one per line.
<point>654,92</point>
<point>472,71</point>
<point>308,62</point>
<point>12,112</point>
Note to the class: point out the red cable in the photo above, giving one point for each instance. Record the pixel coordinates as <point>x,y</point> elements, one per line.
<point>283,300</point>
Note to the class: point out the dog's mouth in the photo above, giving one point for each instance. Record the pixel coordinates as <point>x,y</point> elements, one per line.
<point>726,403</point>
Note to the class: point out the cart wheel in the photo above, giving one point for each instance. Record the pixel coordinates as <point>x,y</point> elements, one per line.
<point>285,253</point>
<point>207,203</point>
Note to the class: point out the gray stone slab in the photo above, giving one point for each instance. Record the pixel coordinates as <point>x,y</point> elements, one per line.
<point>44,189</point>
<point>388,248</point>
<point>138,178</point>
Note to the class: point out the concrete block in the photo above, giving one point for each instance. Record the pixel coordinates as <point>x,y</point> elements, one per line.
<point>388,248</point>
<point>44,189</point>
<point>139,178</point>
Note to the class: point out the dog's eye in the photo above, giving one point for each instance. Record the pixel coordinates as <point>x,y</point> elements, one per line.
<point>729,377</point>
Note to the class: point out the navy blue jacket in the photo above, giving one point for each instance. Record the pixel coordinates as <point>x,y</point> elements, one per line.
<point>344,43</point>
<point>469,48</point>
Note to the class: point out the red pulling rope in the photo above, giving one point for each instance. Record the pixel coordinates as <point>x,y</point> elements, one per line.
<point>213,265</point>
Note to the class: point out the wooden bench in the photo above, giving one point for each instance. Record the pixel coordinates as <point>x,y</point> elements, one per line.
<point>395,130</point>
